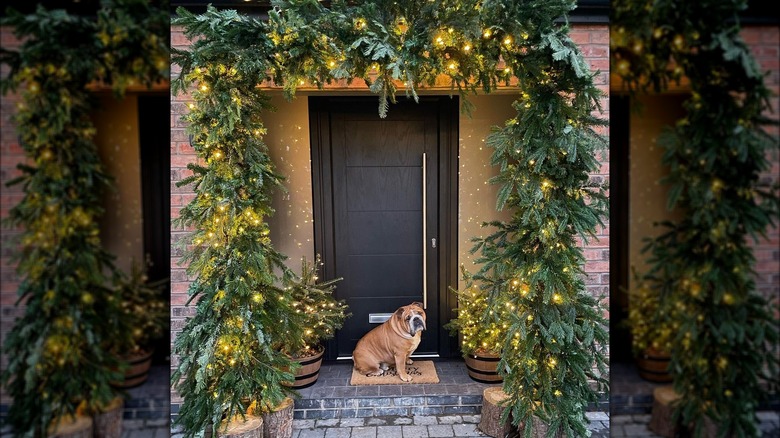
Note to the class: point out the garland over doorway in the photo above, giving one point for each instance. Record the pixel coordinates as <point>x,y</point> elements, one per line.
<point>555,344</point>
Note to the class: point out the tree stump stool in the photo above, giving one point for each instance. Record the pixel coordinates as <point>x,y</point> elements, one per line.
<point>539,430</point>
<point>490,421</point>
<point>238,428</point>
<point>70,427</point>
<point>661,416</point>
<point>108,423</point>
<point>279,421</point>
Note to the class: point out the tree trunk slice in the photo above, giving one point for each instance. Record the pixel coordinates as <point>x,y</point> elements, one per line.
<point>661,416</point>
<point>69,427</point>
<point>539,430</point>
<point>490,421</point>
<point>238,428</point>
<point>279,422</point>
<point>108,423</point>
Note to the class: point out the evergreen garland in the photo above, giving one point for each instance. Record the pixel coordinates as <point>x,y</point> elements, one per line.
<point>230,350</point>
<point>703,263</point>
<point>555,339</point>
<point>59,351</point>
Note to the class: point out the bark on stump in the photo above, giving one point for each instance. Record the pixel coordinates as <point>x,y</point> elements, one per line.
<point>279,422</point>
<point>108,423</point>
<point>661,415</point>
<point>538,430</point>
<point>238,428</point>
<point>69,427</point>
<point>490,421</point>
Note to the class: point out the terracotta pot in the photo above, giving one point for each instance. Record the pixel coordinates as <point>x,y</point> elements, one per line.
<point>138,370</point>
<point>483,367</point>
<point>654,365</point>
<point>309,371</point>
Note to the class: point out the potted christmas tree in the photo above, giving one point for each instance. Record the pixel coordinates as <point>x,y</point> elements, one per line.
<point>481,332</point>
<point>323,315</point>
<point>651,323</point>
<point>146,316</point>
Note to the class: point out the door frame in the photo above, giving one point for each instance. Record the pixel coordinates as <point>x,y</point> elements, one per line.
<point>447,237</point>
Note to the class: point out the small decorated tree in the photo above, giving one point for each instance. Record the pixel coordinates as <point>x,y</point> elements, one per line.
<point>59,350</point>
<point>323,313</point>
<point>480,330</point>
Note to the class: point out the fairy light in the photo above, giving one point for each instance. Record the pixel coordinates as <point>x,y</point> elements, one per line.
<point>467,47</point>
<point>487,33</point>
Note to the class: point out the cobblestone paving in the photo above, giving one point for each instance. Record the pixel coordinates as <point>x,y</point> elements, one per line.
<point>464,426</point>
<point>631,426</point>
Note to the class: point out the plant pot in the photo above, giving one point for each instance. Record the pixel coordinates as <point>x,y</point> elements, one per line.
<point>654,365</point>
<point>138,369</point>
<point>309,371</point>
<point>483,367</point>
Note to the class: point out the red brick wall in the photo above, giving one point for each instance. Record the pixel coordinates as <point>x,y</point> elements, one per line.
<point>10,155</point>
<point>764,42</point>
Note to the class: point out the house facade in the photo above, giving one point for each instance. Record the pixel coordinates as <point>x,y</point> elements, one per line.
<point>354,195</point>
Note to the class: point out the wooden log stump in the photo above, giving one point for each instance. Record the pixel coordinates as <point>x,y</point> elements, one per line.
<point>661,415</point>
<point>108,422</point>
<point>490,421</point>
<point>538,430</point>
<point>278,422</point>
<point>71,427</point>
<point>252,427</point>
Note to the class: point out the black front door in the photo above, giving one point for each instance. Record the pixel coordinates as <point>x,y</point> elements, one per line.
<point>377,221</point>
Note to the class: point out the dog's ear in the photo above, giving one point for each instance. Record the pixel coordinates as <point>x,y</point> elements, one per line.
<point>399,313</point>
<point>417,303</point>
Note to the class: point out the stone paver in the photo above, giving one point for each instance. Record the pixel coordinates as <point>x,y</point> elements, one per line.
<point>388,431</point>
<point>440,430</point>
<point>364,432</point>
<point>415,431</point>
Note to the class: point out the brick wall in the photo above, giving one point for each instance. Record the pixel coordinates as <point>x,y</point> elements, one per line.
<point>764,42</point>
<point>10,155</point>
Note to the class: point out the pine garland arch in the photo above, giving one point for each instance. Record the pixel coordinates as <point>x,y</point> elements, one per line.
<point>544,154</point>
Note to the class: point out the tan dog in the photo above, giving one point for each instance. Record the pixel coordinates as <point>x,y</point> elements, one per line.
<point>391,343</point>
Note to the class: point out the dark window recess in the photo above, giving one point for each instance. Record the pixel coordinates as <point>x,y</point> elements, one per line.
<point>155,140</point>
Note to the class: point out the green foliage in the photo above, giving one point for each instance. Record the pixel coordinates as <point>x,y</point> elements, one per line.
<point>59,350</point>
<point>230,350</point>
<point>145,310</point>
<point>324,314</point>
<point>482,330</point>
<point>716,154</point>
<point>544,154</point>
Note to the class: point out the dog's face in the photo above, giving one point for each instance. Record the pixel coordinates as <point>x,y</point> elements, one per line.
<point>411,317</point>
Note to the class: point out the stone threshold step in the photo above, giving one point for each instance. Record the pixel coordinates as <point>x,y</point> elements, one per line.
<point>401,406</point>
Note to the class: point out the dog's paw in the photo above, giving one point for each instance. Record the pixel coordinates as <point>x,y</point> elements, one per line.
<point>409,361</point>
<point>406,378</point>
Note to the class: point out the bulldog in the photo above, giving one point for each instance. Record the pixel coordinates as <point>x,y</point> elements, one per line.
<point>391,343</point>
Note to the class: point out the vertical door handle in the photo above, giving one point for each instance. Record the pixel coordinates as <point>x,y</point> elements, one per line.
<point>424,233</point>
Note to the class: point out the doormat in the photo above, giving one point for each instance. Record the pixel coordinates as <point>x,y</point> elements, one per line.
<point>421,372</point>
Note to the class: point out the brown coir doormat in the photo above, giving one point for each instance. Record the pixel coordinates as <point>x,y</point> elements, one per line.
<point>421,372</point>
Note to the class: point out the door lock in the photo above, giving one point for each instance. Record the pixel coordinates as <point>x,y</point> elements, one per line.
<point>433,243</point>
